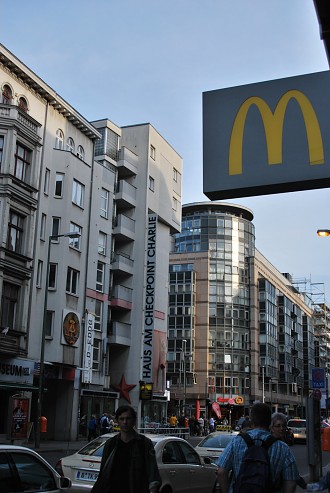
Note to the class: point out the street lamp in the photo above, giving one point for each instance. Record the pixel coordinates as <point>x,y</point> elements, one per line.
<point>323,232</point>
<point>73,234</point>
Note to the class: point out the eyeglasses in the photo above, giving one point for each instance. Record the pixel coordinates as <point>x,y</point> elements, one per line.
<point>279,426</point>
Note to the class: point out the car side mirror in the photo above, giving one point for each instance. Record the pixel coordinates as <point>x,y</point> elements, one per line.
<point>207,460</point>
<point>65,482</point>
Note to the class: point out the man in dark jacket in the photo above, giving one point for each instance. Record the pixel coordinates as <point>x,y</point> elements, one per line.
<point>128,462</point>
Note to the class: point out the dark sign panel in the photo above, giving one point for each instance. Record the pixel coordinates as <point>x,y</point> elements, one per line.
<point>318,378</point>
<point>268,137</point>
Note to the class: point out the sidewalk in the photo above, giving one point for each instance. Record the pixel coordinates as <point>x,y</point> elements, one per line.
<point>49,445</point>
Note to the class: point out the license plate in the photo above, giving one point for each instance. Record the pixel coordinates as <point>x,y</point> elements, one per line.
<point>86,476</point>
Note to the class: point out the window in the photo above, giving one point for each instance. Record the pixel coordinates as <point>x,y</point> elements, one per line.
<point>75,242</point>
<point>59,181</point>
<point>104,203</point>
<point>39,273</point>
<point>59,139</point>
<point>72,280</point>
<point>96,354</point>
<point>52,276</point>
<point>151,184</point>
<point>56,224</point>
<point>102,243</point>
<point>22,161</point>
<point>100,276</point>
<point>43,226</point>
<point>15,232</point>
<point>1,148</point>
<point>22,104</point>
<point>78,192</point>
<point>81,152</point>
<point>152,152</point>
<point>46,181</point>
<point>70,145</point>
<point>9,302</point>
<point>7,94</point>
<point>98,315</point>
<point>175,174</point>
<point>49,323</point>
<point>175,204</point>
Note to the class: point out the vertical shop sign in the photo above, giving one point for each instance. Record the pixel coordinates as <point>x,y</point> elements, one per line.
<point>88,349</point>
<point>149,300</point>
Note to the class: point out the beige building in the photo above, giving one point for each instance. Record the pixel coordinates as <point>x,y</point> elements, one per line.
<point>239,331</point>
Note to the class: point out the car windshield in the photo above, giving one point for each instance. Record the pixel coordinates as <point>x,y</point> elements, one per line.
<point>297,423</point>
<point>94,448</point>
<point>216,441</point>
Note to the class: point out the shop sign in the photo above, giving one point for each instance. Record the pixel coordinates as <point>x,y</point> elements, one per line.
<point>16,371</point>
<point>145,391</point>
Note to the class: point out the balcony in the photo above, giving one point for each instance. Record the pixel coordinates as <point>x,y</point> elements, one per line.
<point>9,345</point>
<point>125,195</point>
<point>124,228</point>
<point>127,163</point>
<point>121,298</point>
<point>25,122</point>
<point>122,264</point>
<point>119,334</point>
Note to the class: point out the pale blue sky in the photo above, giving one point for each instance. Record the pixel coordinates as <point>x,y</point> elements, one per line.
<point>137,61</point>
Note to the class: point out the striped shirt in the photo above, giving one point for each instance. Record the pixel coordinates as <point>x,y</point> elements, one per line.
<point>282,462</point>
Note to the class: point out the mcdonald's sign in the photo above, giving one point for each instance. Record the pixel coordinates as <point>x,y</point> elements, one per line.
<point>268,137</point>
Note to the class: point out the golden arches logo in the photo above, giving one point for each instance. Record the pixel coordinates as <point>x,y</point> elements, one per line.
<point>273,125</point>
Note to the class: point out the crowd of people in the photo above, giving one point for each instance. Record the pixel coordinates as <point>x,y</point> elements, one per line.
<point>260,429</point>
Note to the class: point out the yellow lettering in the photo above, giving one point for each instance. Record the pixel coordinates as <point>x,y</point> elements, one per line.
<point>273,125</point>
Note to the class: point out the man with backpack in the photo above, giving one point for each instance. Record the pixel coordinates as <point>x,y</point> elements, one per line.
<point>257,462</point>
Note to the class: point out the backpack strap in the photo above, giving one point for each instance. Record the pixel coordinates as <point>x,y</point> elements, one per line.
<point>265,443</point>
<point>246,437</point>
<point>269,441</point>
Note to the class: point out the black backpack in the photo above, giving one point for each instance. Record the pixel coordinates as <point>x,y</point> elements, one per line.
<point>255,474</point>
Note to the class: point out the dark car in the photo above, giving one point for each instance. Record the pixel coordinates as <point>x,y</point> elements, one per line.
<point>22,470</point>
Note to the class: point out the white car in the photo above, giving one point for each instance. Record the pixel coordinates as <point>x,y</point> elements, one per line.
<point>180,467</point>
<point>214,444</point>
<point>23,470</point>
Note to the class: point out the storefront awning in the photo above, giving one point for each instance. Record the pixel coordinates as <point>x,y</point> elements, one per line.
<point>18,386</point>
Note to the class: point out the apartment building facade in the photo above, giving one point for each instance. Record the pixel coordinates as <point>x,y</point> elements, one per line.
<point>236,325</point>
<point>60,175</point>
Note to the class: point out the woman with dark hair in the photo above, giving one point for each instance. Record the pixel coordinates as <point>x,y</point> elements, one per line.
<point>128,462</point>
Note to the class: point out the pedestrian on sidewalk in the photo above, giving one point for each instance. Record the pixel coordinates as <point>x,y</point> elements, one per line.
<point>128,461</point>
<point>92,426</point>
<point>283,467</point>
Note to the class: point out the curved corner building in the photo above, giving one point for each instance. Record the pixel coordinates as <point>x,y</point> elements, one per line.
<point>239,330</point>
<point>209,337</point>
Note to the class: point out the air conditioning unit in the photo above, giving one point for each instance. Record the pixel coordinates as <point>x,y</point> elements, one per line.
<point>294,388</point>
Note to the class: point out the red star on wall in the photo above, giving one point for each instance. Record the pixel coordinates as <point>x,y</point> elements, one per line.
<point>123,388</point>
